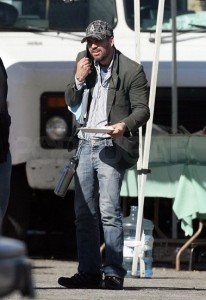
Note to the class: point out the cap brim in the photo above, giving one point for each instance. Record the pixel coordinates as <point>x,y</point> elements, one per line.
<point>83,40</point>
<point>98,37</point>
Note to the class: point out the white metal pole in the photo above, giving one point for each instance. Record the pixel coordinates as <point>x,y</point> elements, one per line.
<point>148,133</point>
<point>174,68</point>
<point>138,59</point>
<point>137,29</point>
<point>174,93</point>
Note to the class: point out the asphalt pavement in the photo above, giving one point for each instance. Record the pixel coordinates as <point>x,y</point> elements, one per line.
<point>166,284</point>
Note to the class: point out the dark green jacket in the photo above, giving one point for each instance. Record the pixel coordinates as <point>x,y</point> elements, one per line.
<point>127,100</point>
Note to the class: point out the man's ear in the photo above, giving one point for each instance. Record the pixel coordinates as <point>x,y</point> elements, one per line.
<point>111,39</point>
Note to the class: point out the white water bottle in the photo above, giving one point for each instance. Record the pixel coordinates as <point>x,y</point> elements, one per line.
<point>129,227</point>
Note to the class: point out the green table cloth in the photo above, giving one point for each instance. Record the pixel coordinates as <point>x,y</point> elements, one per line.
<point>178,171</point>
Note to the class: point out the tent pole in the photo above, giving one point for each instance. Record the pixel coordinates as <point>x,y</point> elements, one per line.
<point>174,68</point>
<point>148,133</point>
<point>174,107</point>
<point>138,59</point>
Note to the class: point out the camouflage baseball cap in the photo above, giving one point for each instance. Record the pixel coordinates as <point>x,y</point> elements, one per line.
<point>99,30</point>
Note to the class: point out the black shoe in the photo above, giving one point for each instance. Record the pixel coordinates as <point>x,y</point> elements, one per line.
<point>81,281</point>
<point>112,283</point>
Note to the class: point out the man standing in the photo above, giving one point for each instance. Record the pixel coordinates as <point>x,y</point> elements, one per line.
<point>118,97</point>
<point>5,157</point>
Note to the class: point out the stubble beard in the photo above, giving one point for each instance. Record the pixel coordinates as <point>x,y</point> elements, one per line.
<point>104,56</point>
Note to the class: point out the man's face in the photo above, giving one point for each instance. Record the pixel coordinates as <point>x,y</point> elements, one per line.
<point>102,50</point>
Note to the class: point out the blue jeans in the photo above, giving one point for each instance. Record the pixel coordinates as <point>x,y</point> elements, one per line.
<point>98,181</point>
<point>5,174</point>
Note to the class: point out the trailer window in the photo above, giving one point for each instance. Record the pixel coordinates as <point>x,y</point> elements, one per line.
<point>191,108</point>
<point>191,15</point>
<point>72,16</point>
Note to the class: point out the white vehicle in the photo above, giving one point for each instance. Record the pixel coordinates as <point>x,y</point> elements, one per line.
<point>39,41</point>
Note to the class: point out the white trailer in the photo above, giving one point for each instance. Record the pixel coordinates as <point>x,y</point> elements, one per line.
<point>39,41</point>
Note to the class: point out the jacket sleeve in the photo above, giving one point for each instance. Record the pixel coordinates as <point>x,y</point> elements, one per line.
<point>72,95</point>
<point>139,96</point>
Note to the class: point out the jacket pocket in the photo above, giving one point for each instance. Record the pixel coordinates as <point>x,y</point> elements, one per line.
<point>127,149</point>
